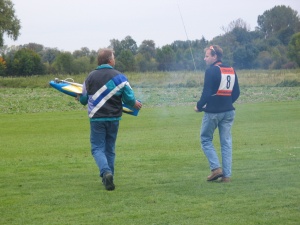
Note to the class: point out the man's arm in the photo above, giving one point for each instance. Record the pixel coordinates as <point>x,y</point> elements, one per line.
<point>83,97</point>
<point>236,90</point>
<point>206,92</point>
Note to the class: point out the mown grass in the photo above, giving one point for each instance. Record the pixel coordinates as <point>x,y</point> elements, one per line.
<point>49,177</point>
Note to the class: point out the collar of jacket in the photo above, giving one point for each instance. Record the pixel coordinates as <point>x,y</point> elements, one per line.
<point>218,62</point>
<point>104,66</point>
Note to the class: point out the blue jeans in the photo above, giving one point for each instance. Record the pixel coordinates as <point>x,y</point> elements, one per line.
<point>224,123</point>
<point>103,139</point>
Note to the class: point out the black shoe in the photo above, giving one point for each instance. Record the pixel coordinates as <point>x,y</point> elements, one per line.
<point>108,181</point>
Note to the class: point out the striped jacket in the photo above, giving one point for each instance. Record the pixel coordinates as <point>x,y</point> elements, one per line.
<point>103,91</point>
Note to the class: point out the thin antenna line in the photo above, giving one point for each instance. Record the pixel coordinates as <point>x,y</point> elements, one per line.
<point>186,35</point>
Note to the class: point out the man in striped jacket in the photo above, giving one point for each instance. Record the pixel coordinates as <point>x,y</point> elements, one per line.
<point>103,91</point>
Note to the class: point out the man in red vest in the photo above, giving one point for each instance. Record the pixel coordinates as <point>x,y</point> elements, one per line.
<point>220,91</point>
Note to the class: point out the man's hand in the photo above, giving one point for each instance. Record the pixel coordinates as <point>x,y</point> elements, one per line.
<point>137,105</point>
<point>197,110</point>
<point>78,97</point>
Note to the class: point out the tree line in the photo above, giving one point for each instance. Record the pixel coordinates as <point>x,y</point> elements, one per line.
<point>274,44</point>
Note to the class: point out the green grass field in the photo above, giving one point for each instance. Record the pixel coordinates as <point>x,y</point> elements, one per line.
<point>48,175</point>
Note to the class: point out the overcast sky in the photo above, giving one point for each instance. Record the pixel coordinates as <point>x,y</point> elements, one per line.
<point>72,24</point>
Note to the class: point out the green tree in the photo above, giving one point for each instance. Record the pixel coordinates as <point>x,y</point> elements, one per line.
<point>166,58</point>
<point>147,49</point>
<point>199,46</point>
<point>82,65</point>
<point>49,55</point>
<point>188,54</point>
<point>239,23</point>
<point>93,57</point>
<point>34,47</point>
<point>190,61</point>
<point>182,53</point>
<point>294,48</point>
<point>145,58</point>
<point>26,62</point>
<point>279,56</point>
<point>125,61</point>
<point>285,34</point>
<point>115,44</point>
<point>82,52</point>
<point>264,60</point>
<point>126,44</point>
<point>145,64</point>
<point>242,36</point>
<point>9,23</point>
<point>278,20</point>
<point>129,44</point>
<point>63,63</point>
<point>244,56</point>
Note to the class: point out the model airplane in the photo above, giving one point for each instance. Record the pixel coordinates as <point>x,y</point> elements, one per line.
<point>69,87</point>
